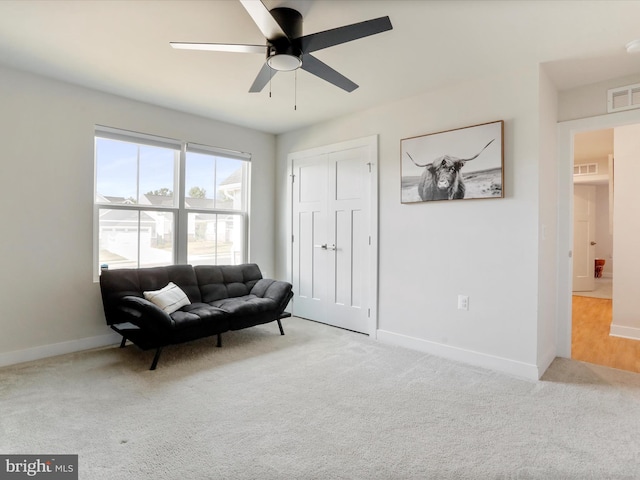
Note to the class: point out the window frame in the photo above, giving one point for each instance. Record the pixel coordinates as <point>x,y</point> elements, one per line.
<point>179,209</point>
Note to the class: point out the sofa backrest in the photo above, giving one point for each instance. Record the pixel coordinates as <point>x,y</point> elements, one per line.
<point>118,283</point>
<point>204,283</point>
<point>226,281</point>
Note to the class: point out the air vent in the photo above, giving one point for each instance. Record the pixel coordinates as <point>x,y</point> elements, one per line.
<point>623,98</point>
<point>585,169</point>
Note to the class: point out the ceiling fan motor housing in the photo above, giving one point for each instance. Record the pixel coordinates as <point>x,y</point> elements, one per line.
<point>285,53</point>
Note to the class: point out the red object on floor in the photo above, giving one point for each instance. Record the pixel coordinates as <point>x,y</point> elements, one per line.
<point>599,267</point>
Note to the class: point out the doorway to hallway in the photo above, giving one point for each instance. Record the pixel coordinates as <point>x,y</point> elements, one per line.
<point>571,307</point>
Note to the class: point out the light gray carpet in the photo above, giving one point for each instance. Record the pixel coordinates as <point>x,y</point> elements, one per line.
<point>318,403</point>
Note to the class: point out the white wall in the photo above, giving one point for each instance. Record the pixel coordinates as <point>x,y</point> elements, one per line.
<point>548,221</point>
<point>49,301</point>
<point>431,252</point>
<point>626,224</point>
<point>589,100</point>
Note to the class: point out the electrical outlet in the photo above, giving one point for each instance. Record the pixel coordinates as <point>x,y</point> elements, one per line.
<point>463,302</point>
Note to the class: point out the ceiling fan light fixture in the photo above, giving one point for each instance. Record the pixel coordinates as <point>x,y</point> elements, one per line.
<point>284,62</point>
<point>633,46</point>
<point>287,49</point>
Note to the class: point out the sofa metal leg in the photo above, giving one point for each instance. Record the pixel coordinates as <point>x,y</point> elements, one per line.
<point>154,364</point>
<point>219,343</point>
<point>280,327</point>
<point>123,342</point>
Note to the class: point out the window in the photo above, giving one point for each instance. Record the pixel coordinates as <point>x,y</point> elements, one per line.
<point>160,201</point>
<point>623,98</point>
<point>215,202</point>
<point>585,169</point>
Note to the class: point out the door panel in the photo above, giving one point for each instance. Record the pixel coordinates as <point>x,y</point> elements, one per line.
<point>305,286</point>
<point>309,219</point>
<point>358,262</point>
<point>343,255</point>
<point>309,188</point>
<point>584,225</point>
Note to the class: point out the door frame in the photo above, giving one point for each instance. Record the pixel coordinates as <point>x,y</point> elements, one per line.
<point>372,143</point>
<point>565,134</point>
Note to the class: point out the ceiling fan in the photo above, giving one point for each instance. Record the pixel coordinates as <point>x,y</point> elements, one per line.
<point>287,49</point>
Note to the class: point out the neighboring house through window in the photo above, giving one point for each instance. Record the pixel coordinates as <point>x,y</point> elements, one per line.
<point>160,201</point>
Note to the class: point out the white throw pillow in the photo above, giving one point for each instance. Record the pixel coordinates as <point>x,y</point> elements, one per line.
<point>169,298</point>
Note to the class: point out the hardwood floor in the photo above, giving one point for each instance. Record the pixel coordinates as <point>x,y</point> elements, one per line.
<point>590,339</point>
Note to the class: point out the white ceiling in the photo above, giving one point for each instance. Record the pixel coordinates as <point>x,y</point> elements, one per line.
<point>592,146</point>
<point>122,47</point>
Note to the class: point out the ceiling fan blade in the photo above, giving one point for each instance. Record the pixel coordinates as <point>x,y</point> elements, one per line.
<point>220,47</point>
<point>265,74</point>
<point>328,38</point>
<point>263,19</point>
<point>320,69</point>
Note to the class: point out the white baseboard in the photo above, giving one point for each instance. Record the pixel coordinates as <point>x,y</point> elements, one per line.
<point>45,351</point>
<point>504,365</point>
<point>625,332</point>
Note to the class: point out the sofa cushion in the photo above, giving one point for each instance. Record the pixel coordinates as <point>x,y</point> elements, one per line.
<point>226,281</point>
<point>169,298</point>
<point>245,305</point>
<point>155,278</point>
<point>198,314</point>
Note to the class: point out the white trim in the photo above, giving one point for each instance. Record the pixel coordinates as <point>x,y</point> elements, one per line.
<point>136,137</point>
<point>45,351</point>
<point>545,361</point>
<point>566,131</point>
<point>373,225</point>
<point>372,143</point>
<point>591,179</point>
<point>221,152</point>
<point>476,359</point>
<point>621,331</point>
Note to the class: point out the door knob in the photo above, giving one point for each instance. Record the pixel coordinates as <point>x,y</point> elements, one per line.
<point>593,243</point>
<point>323,246</point>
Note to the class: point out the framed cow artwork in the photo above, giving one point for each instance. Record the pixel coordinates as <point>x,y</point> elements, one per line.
<point>461,164</point>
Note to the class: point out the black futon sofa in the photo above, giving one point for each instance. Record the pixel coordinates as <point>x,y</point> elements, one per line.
<point>218,299</point>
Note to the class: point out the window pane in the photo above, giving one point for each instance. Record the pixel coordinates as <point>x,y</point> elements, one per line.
<point>229,183</point>
<point>116,171</point>
<point>132,239</point>
<point>214,182</point>
<point>214,239</point>
<point>156,238</point>
<point>157,167</point>
<point>128,173</point>
<point>200,180</point>
<point>118,238</point>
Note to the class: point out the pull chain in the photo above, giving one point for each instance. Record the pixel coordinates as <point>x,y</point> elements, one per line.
<point>295,91</point>
<point>270,77</point>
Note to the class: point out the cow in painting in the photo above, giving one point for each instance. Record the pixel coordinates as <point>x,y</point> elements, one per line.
<point>442,179</point>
